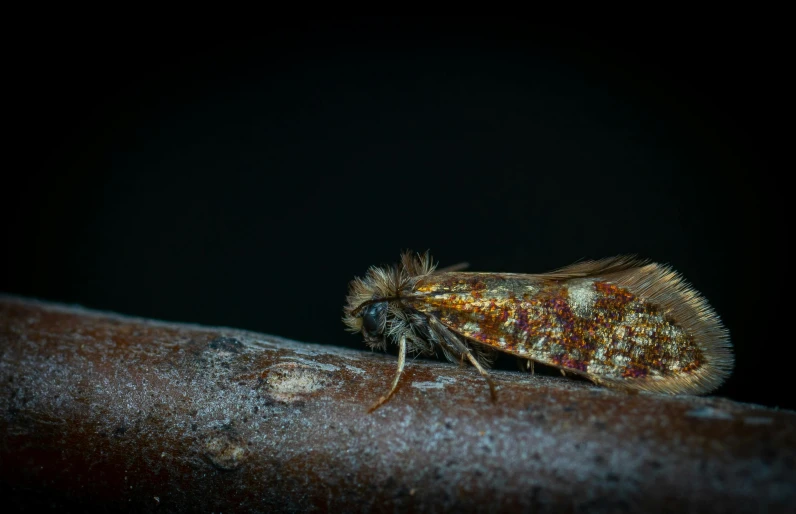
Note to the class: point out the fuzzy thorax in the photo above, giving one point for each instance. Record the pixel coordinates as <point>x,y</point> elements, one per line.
<point>374,305</point>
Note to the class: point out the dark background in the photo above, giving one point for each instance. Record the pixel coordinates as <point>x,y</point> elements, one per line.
<point>243,178</point>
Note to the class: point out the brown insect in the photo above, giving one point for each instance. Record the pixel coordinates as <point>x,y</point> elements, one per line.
<point>620,322</point>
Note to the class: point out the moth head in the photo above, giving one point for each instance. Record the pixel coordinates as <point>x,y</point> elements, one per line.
<point>368,303</point>
<point>371,320</point>
<point>373,303</point>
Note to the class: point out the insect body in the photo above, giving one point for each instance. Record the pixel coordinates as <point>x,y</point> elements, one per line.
<point>619,322</point>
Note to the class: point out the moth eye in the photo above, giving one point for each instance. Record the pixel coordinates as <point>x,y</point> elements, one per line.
<point>370,318</point>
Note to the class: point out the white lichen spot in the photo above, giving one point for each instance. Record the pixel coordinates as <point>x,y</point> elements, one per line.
<point>708,413</point>
<point>225,453</point>
<point>314,364</point>
<point>440,383</point>
<point>289,381</point>
<point>428,385</point>
<point>354,369</point>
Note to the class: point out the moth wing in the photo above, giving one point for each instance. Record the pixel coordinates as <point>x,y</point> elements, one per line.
<point>457,299</point>
<point>601,267</point>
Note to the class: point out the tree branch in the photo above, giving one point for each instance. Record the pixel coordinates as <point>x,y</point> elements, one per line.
<point>102,412</point>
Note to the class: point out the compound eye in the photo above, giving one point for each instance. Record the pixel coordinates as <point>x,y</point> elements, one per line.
<point>370,318</point>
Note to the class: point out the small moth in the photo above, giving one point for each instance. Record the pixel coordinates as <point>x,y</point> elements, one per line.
<point>620,322</point>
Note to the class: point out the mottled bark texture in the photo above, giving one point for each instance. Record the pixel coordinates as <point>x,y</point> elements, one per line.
<point>101,412</point>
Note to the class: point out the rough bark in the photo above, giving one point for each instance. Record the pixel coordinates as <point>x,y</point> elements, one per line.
<point>101,412</point>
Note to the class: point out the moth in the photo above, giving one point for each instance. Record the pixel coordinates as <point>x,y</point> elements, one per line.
<point>620,322</point>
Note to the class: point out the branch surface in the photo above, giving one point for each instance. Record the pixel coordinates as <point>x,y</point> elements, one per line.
<point>103,412</point>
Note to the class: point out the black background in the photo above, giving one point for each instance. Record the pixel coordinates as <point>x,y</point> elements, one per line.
<point>242,178</point>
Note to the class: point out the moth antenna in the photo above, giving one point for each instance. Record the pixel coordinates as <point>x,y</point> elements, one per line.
<point>453,267</point>
<point>401,362</point>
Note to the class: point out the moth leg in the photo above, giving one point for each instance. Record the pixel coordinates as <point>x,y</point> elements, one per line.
<point>526,364</point>
<point>453,345</point>
<point>474,362</point>
<point>401,362</point>
<point>564,373</point>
